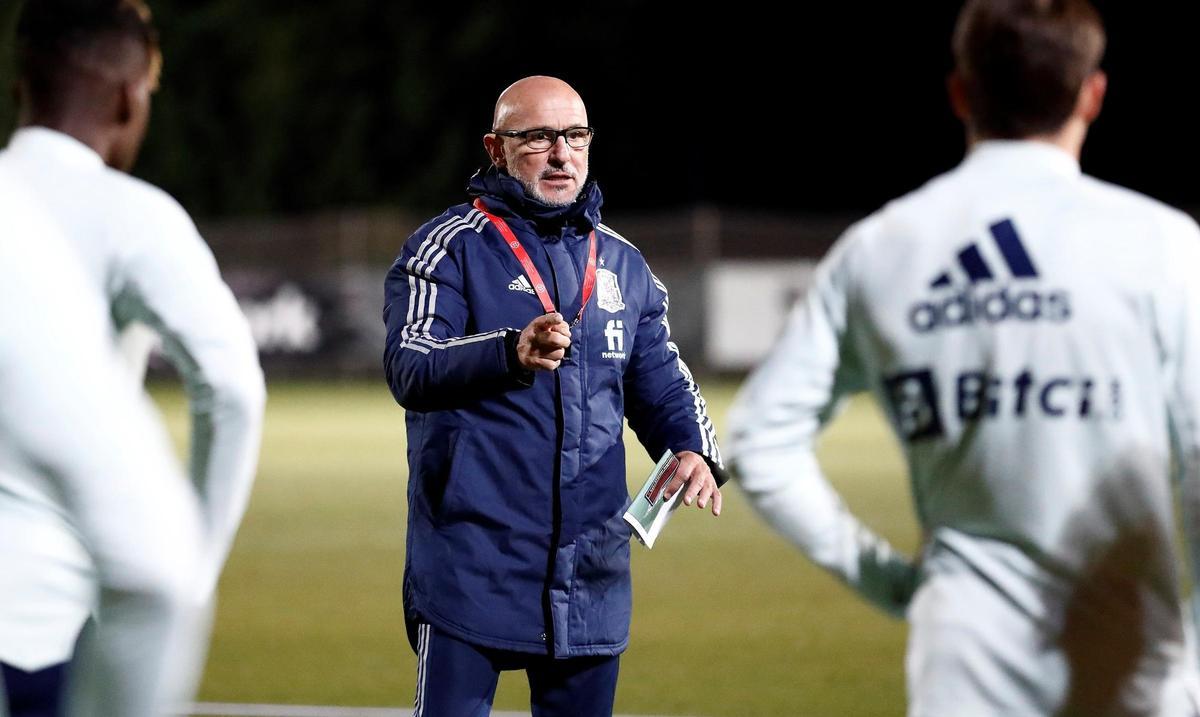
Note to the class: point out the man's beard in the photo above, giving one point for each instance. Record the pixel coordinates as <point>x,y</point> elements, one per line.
<point>532,189</point>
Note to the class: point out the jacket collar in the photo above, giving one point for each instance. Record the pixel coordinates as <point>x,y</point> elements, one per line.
<point>506,197</point>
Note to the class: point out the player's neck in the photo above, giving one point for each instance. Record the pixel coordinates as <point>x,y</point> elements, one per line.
<point>98,138</point>
<point>1069,138</point>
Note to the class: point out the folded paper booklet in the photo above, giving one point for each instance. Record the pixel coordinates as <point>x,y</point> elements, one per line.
<point>648,512</point>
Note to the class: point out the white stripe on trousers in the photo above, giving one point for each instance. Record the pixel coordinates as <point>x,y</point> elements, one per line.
<point>422,675</point>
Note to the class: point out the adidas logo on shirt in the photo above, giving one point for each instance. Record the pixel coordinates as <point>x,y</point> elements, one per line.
<point>981,299</point>
<point>521,284</point>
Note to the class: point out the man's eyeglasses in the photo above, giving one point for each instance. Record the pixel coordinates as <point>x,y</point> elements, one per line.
<point>543,138</point>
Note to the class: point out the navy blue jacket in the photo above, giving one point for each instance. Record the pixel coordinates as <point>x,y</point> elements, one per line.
<point>517,479</point>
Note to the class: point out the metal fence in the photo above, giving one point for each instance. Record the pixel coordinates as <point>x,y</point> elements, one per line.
<point>312,286</point>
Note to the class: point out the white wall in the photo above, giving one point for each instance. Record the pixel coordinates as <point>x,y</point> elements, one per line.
<point>746,306</point>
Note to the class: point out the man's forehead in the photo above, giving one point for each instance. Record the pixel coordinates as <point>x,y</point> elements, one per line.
<point>550,112</point>
<point>539,101</point>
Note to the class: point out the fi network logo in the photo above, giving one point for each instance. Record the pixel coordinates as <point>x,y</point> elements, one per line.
<point>986,298</point>
<point>614,333</point>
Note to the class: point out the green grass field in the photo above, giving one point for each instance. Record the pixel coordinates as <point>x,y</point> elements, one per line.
<point>728,620</point>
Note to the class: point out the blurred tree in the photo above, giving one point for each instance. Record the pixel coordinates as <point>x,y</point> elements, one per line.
<point>284,106</point>
<point>277,106</point>
<point>287,106</point>
<point>8,21</point>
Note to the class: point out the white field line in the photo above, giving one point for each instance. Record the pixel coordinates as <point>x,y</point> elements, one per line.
<point>223,709</point>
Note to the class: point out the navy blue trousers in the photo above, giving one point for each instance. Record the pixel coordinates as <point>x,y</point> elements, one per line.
<point>34,694</point>
<point>458,679</point>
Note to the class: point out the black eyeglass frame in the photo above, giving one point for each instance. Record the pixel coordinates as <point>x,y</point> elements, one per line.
<point>522,134</point>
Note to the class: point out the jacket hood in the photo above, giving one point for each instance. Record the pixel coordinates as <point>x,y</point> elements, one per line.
<point>505,196</point>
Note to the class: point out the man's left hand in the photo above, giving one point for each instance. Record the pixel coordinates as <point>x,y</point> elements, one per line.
<point>701,486</point>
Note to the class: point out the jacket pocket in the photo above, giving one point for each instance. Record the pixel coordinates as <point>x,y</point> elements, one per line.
<point>475,492</point>
<point>601,591</point>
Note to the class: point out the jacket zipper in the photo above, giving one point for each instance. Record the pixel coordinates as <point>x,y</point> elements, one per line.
<point>556,489</point>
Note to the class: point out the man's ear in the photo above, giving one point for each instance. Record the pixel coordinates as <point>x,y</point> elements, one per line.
<point>495,149</point>
<point>956,89</point>
<point>132,101</point>
<point>1091,96</point>
<point>126,101</point>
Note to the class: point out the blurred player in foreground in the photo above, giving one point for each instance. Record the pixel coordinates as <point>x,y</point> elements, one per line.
<point>1034,335</point>
<point>78,442</point>
<point>87,71</point>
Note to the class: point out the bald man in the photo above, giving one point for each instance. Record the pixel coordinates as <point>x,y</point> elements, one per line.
<point>518,557</point>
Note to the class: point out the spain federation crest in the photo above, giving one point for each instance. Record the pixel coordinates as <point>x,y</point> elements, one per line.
<point>608,292</point>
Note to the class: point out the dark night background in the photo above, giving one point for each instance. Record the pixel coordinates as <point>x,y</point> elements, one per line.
<point>277,106</point>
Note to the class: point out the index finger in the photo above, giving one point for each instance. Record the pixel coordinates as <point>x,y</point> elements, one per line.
<point>551,340</point>
<point>546,322</point>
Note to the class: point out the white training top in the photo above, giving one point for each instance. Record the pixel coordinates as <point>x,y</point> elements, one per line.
<point>143,251</point>
<point>78,442</point>
<point>1034,336</point>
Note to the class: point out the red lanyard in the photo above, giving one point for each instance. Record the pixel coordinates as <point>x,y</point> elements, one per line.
<point>539,286</point>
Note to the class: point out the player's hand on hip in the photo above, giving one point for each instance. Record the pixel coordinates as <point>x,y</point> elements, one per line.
<point>544,342</point>
<point>701,486</point>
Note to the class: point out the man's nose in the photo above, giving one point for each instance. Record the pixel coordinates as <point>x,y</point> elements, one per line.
<point>559,151</point>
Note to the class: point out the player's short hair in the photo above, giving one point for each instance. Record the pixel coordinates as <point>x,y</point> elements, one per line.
<point>1023,62</point>
<point>59,41</point>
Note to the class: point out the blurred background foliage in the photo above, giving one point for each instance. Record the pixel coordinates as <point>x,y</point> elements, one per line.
<point>273,107</point>
<point>312,104</point>
<point>8,18</point>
